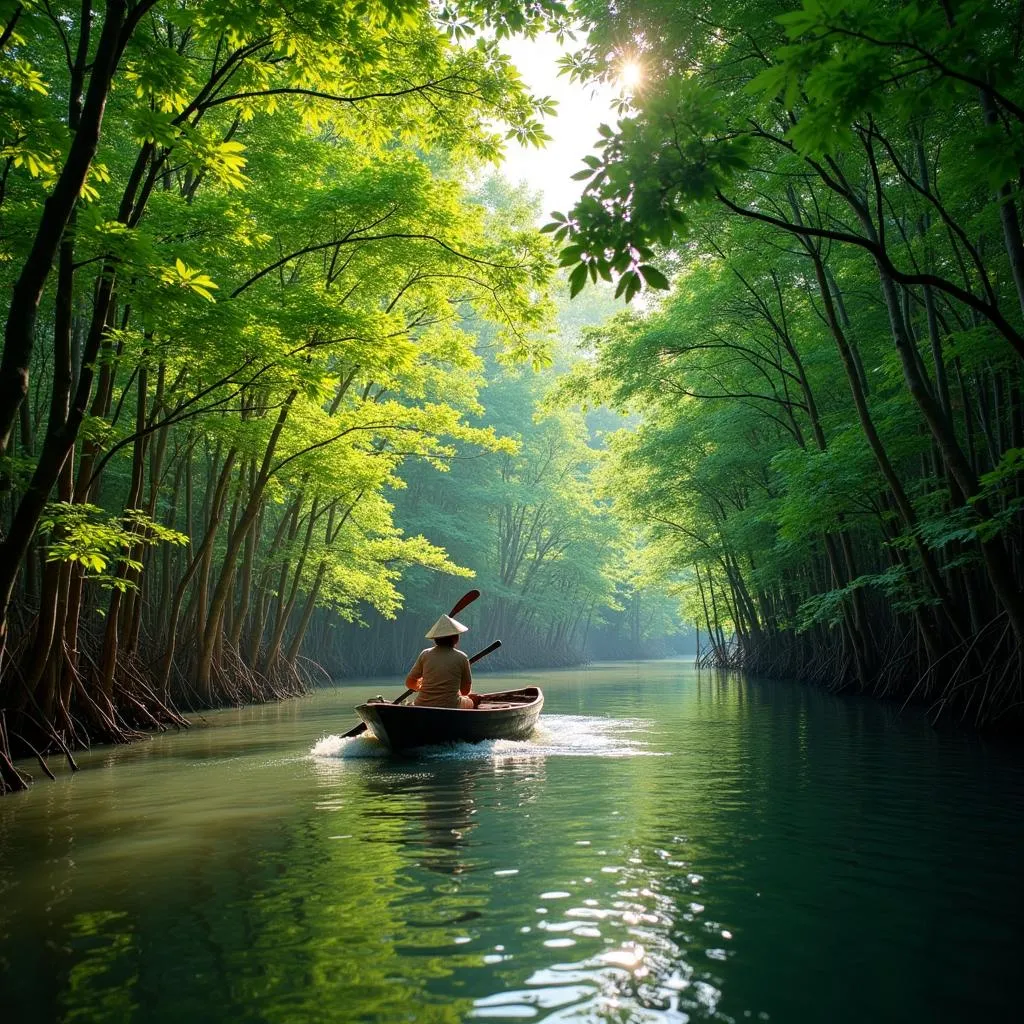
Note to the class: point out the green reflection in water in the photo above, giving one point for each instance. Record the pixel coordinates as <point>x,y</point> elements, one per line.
<point>666,848</point>
<point>96,989</point>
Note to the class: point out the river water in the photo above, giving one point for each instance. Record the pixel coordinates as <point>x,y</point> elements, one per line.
<point>667,847</point>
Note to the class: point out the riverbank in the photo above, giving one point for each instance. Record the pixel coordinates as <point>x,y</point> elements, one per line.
<point>913,706</point>
<point>958,689</point>
<point>136,712</point>
<point>21,758</point>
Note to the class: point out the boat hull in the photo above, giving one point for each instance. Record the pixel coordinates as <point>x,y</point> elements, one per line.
<point>512,715</point>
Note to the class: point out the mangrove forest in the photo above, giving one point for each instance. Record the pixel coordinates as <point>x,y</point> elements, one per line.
<point>286,360</point>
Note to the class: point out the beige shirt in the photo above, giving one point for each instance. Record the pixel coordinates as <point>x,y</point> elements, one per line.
<point>445,671</point>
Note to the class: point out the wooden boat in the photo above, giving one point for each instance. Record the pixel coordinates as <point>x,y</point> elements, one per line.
<point>510,715</point>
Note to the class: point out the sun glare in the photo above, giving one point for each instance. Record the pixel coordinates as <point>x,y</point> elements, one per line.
<point>630,75</point>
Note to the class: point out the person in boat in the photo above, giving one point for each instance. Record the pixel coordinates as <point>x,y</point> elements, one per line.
<point>442,673</point>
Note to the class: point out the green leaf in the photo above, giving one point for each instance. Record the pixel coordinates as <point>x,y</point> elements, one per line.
<point>569,255</point>
<point>577,279</point>
<point>654,277</point>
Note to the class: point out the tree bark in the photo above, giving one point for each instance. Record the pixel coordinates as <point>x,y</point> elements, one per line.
<point>57,211</point>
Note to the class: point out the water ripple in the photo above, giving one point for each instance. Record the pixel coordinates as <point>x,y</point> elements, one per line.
<point>555,736</point>
<point>796,858</point>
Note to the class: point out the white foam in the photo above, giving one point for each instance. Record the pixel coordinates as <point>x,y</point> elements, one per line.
<point>555,736</point>
<point>355,747</point>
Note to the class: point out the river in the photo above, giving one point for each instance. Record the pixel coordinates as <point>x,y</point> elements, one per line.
<point>667,847</point>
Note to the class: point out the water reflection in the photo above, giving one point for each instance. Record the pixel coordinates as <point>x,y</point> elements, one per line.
<point>437,815</point>
<point>572,878</point>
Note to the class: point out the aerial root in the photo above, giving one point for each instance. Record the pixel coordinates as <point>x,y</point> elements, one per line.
<point>978,680</point>
<point>72,710</point>
<point>11,779</point>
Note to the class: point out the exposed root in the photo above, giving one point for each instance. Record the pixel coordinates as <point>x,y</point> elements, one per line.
<point>977,681</point>
<point>39,757</point>
<point>11,779</point>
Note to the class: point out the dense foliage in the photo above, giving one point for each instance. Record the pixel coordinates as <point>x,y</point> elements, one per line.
<point>833,428</point>
<point>245,276</point>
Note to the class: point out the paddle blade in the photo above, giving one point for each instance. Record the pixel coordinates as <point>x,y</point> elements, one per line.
<point>468,598</point>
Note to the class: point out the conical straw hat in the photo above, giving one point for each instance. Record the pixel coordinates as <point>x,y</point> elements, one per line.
<point>446,626</point>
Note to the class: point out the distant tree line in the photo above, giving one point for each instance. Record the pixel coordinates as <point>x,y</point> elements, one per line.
<point>562,580</point>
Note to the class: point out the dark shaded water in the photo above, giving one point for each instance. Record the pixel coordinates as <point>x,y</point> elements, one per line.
<point>667,848</point>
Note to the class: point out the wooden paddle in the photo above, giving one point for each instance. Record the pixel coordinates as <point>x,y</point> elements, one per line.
<point>489,649</point>
<point>467,598</point>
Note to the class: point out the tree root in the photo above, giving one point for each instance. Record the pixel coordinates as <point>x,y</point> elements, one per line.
<point>11,779</point>
<point>977,681</point>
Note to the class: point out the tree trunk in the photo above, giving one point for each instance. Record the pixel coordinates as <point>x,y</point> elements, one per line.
<point>57,211</point>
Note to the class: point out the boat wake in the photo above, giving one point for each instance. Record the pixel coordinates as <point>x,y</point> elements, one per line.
<point>555,736</point>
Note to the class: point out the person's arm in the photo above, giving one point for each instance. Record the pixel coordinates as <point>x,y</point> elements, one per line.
<point>467,678</point>
<point>414,680</point>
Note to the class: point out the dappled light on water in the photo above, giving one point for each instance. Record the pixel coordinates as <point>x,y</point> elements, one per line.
<point>635,954</point>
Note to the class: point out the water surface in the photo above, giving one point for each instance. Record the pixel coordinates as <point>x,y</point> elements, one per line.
<point>666,848</point>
